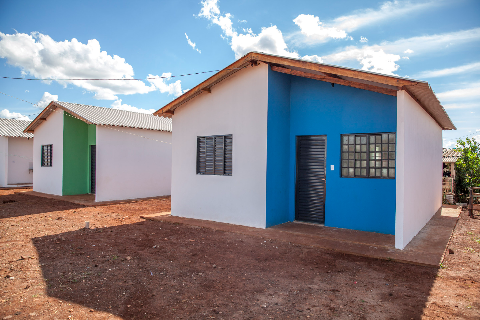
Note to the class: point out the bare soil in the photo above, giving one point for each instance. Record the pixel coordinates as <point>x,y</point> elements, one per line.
<point>124,267</point>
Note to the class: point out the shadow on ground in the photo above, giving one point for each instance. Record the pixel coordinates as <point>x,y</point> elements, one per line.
<point>20,204</point>
<point>166,270</point>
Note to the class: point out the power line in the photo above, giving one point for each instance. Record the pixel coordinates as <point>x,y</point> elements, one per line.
<point>467,135</point>
<point>28,115</point>
<point>115,79</point>
<point>20,99</point>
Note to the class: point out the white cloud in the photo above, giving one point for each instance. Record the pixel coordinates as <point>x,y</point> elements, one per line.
<point>46,99</point>
<point>27,90</point>
<point>161,84</point>
<point>313,58</point>
<point>422,45</point>
<point>316,31</point>
<point>449,143</point>
<point>117,104</point>
<point>363,39</point>
<point>192,44</point>
<point>408,51</point>
<point>269,40</point>
<point>471,92</point>
<point>41,56</point>
<point>388,10</point>
<point>449,71</point>
<point>210,9</point>
<point>12,115</point>
<point>406,58</point>
<point>379,61</point>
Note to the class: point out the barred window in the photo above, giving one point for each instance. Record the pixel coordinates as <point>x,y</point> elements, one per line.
<point>47,155</point>
<point>368,155</point>
<point>214,155</point>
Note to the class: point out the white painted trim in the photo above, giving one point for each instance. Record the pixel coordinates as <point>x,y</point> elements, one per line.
<point>419,169</point>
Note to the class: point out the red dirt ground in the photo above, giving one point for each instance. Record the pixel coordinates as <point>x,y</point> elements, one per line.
<point>126,268</point>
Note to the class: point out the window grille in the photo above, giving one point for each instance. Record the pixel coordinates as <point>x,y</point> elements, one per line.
<point>47,155</point>
<point>368,155</point>
<point>214,155</point>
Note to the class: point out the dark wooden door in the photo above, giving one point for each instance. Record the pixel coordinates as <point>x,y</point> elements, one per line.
<point>93,168</point>
<point>310,179</point>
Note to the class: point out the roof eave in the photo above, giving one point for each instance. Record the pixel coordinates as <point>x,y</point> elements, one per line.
<point>428,101</point>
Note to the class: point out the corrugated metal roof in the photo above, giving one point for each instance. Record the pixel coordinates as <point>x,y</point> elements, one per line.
<point>450,155</point>
<point>106,116</point>
<point>14,128</point>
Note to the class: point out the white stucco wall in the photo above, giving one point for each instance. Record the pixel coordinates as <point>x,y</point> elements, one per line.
<point>3,161</point>
<point>419,169</point>
<point>237,106</point>
<point>49,179</point>
<point>129,166</point>
<point>20,157</point>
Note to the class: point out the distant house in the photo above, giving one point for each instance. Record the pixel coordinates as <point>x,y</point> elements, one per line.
<point>16,149</point>
<point>114,154</point>
<point>449,158</point>
<point>271,139</point>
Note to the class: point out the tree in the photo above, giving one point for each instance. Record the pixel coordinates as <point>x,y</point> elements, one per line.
<point>467,167</point>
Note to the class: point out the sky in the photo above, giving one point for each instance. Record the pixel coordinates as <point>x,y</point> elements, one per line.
<point>158,41</point>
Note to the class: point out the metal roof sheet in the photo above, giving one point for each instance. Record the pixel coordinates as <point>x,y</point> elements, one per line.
<point>450,155</point>
<point>106,116</point>
<point>14,128</point>
<point>388,84</point>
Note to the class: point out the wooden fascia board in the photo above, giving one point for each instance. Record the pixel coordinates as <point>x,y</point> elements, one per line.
<point>39,119</point>
<point>333,70</point>
<point>199,89</point>
<point>342,82</point>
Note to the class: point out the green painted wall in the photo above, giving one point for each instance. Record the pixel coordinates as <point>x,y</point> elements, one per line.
<point>76,162</point>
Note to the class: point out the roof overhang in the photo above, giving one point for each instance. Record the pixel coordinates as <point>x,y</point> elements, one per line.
<point>420,91</point>
<point>52,106</point>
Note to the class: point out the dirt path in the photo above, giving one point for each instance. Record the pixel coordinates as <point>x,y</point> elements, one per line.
<point>124,267</point>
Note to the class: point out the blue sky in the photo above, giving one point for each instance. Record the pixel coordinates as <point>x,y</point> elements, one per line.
<point>435,41</point>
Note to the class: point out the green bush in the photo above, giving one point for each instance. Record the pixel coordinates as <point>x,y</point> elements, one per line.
<point>467,168</point>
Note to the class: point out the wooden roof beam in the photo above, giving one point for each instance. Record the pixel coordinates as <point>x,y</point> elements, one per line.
<point>392,81</point>
<point>342,82</point>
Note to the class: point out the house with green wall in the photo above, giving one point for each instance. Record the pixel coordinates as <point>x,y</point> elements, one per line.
<point>114,154</point>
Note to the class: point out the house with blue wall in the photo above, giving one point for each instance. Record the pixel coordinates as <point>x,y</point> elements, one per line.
<point>270,140</point>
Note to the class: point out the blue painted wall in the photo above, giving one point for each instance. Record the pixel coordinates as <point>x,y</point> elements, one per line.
<point>278,148</point>
<point>317,108</point>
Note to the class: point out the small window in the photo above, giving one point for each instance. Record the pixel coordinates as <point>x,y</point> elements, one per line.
<point>214,155</point>
<point>368,155</point>
<point>47,155</point>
